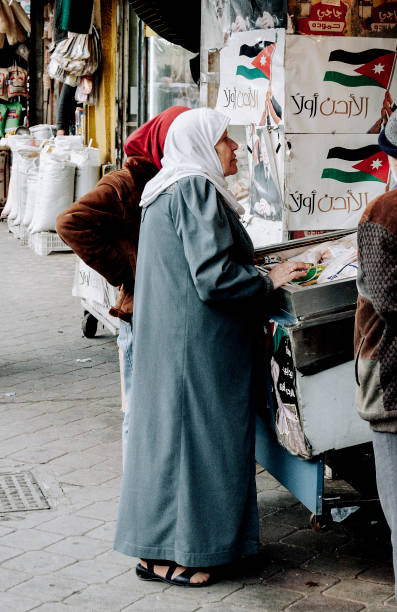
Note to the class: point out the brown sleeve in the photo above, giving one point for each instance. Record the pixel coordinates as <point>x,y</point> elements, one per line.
<point>95,228</point>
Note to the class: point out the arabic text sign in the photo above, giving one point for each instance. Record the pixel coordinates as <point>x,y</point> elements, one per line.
<point>337,84</point>
<point>340,177</point>
<point>246,63</point>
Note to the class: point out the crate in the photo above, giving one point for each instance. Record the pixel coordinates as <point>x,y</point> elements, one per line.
<point>24,235</point>
<point>14,228</point>
<point>44,243</point>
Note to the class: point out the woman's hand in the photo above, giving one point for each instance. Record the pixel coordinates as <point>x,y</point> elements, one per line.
<point>286,272</point>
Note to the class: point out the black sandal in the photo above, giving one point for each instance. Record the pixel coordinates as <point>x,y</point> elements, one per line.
<point>147,573</point>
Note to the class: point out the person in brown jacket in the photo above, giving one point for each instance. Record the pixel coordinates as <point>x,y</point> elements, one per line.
<point>102,227</point>
<point>375,334</point>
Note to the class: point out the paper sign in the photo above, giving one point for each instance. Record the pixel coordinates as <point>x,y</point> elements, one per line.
<point>337,85</point>
<point>330,179</point>
<point>251,88</point>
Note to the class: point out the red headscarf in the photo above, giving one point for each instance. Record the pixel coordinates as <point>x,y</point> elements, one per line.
<point>148,140</point>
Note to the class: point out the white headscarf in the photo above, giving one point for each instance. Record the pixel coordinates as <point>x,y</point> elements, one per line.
<point>189,150</point>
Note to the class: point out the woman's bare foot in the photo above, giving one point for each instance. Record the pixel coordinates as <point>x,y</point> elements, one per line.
<point>161,570</point>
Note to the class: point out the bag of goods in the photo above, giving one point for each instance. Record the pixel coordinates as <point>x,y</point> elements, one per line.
<point>87,170</point>
<point>15,143</point>
<point>31,191</point>
<point>68,143</point>
<point>55,191</point>
<point>14,116</point>
<point>17,82</point>
<point>23,160</point>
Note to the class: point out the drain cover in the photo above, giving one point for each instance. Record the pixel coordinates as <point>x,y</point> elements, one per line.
<point>20,492</point>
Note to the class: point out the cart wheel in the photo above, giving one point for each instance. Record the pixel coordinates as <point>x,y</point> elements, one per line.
<point>89,325</point>
<point>319,522</point>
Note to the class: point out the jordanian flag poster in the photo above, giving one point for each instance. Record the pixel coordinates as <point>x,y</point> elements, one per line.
<point>339,178</point>
<point>341,85</point>
<point>251,65</point>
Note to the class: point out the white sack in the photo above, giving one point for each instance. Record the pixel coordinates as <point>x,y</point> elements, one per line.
<point>27,161</point>
<point>32,182</point>
<point>87,170</point>
<point>55,191</point>
<point>23,159</point>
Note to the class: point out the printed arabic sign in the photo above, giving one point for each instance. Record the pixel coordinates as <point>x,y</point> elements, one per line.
<point>349,78</point>
<point>340,177</point>
<point>248,91</point>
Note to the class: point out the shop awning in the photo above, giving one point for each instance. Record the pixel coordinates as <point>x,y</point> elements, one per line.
<point>174,20</point>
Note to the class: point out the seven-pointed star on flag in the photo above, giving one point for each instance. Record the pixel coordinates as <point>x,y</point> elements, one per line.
<point>376,164</point>
<point>378,68</point>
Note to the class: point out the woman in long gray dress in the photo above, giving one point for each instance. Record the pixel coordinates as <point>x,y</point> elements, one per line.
<point>188,498</point>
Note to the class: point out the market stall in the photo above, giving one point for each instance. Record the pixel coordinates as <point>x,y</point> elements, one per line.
<point>306,110</point>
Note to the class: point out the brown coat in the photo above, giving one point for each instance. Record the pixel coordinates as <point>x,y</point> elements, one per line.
<point>102,228</point>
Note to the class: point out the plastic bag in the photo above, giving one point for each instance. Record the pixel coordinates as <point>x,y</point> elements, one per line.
<point>14,116</point>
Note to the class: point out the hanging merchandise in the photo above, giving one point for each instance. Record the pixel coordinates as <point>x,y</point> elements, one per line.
<point>17,82</point>
<point>55,191</point>
<point>14,116</point>
<point>75,56</point>
<point>10,23</point>
<point>20,16</point>
<point>83,90</point>
<point>74,15</point>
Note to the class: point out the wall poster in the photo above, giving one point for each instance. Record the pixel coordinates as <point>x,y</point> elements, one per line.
<point>330,179</point>
<point>251,88</point>
<point>351,80</point>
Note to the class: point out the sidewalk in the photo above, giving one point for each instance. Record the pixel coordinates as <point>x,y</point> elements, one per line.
<point>61,421</point>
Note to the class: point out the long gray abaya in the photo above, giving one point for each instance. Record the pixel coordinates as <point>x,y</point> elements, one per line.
<point>188,491</point>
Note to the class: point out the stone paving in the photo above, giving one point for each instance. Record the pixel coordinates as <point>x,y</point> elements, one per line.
<point>61,419</point>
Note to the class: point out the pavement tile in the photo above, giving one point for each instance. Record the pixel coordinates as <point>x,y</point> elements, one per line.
<point>382,574</point>
<point>316,542</point>
<point>30,539</point>
<point>285,555</point>
<point>6,552</point>
<point>9,578</point>
<point>271,530</point>
<point>105,532</point>
<point>303,581</point>
<point>16,603</point>
<point>113,556</point>
<point>129,580</point>
<point>79,547</point>
<point>317,603</point>
<point>48,588</point>
<point>163,602</point>
<point>297,516</point>
<point>342,566</point>
<point>88,477</point>
<point>361,591</point>
<point>70,525</point>
<point>103,597</point>
<point>105,510</point>
<point>212,594</point>
<point>220,607</point>
<point>276,499</point>
<point>38,562</point>
<point>92,572</point>
<point>259,595</point>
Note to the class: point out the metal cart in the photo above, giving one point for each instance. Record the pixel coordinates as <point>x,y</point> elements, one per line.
<point>318,322</point>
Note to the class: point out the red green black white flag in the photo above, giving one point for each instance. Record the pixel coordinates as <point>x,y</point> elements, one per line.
<point>372,67</point>
<point>372,165</point>
<point>255,60</point>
